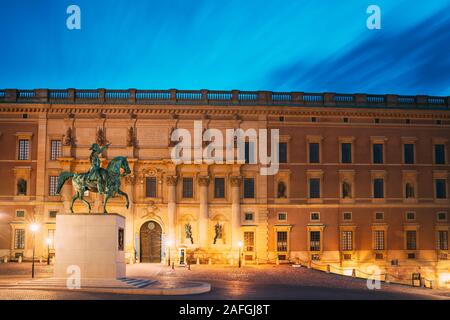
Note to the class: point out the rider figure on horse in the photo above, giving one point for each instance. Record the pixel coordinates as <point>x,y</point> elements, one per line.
<point>94,173</point>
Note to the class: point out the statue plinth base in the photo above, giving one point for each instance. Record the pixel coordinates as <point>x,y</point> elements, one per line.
<point>90,243</point>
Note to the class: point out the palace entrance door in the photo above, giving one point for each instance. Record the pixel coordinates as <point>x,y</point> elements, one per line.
<point>150,235</point>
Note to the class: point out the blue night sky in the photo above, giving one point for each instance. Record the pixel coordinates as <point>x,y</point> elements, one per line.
<point>282,45</point>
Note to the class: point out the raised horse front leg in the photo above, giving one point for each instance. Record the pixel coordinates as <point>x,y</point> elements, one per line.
<point>120,192</point>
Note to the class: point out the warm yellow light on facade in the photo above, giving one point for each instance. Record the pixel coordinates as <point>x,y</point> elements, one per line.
<point>444,279</point>
<point>48,241</point>
<point>34,227</point>
<point>240,244</point>
<point>169,242</point>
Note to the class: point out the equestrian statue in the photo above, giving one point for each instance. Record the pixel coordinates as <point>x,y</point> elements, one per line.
<point>98,180</point>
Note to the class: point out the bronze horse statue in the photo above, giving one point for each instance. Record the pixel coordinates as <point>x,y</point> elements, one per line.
<point>110,179</point>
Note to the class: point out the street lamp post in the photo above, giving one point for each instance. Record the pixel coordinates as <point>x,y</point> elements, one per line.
<point>240,244</point>
<point>49,242</point>
<point>34,227</point>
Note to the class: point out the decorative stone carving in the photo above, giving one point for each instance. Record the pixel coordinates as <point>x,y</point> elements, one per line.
<point>131,138</point>
<point>69,139</point>
<point>346,190</point>
<point>147,172</point>
<point>21,187</point>
<point>130,179</point>
<point>203,181</point>
<point>172,143</point>
<point>281,190</point>
<point>171,180</point>
<point>188,232</point>
<point>218,229</point>
<point>235,181</point>
<point>101,137</point>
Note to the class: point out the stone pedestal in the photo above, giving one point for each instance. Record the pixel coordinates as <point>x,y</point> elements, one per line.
<point>93,242</point>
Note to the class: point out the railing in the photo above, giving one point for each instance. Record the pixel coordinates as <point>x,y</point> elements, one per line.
<point>358,273</point>
<point>235,97</point>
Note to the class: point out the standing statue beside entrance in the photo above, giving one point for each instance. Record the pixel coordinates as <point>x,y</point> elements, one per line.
<point>97,179</point>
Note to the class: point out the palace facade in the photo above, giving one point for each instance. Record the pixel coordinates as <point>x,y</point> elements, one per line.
<point>363,179</point>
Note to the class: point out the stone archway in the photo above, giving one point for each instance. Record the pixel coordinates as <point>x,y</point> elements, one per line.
<point>150,242</point>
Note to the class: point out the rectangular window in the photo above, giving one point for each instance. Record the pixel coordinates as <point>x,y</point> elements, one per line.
<point>219,187</point>
<point>150,187</point>
<point>314,241</point>
<point>20,214</point>
<point>249,241</point>
<point>378,188</point>
<point>439,154</point>
<point>314,155</point>
<point>411,240</point>
<point>347,240</point>
<point>53,185</point>
<point>55,149</point>
<point>408,153</point>
<point>19,239</point>
<point>442,216</point>
<point>347,216</point>
<point>377,153</point>
<point>441,189</point>
<point>442,240</point>
<point>410,215</point>
<point>346,153</point>
<point>379,215</point>
<point>378,241</point>
<point>282,241</point>
<point>52,213</point>
<point>282,216</point>
<point>24,149</point>
<point>249,216</point>
<point>314,188</point>
<point>188,188</point>
<point>249,188</point>
<point>51,239</point>
<point>282,152</point>
<point>315,216</point>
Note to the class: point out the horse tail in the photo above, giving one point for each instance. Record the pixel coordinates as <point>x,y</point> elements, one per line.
<point>63,177</point>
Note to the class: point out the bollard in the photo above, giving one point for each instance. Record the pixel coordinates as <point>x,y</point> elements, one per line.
<point>173,265</point>
<point>40,260</point>
<point>354,273</point>
<point>198,260</point>
<point>328,268</point>
<point>257,261</point>
<point>20,259</point>
<point>386,278</point>
<point>209,261</point>
<point>231,262</point>
<point>189,266</point>
<point>277,262</point>
<point>309,264</point>
<point>5,259</point>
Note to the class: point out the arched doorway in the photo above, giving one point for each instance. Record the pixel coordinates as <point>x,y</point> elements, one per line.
<point>151,238</point>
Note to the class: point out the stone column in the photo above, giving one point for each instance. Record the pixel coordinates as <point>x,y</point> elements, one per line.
<point>171,207</point>
<point>203,182</point>
<point>235,210</point>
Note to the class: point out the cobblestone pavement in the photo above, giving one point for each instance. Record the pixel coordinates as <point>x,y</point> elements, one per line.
<point>248,282</point>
